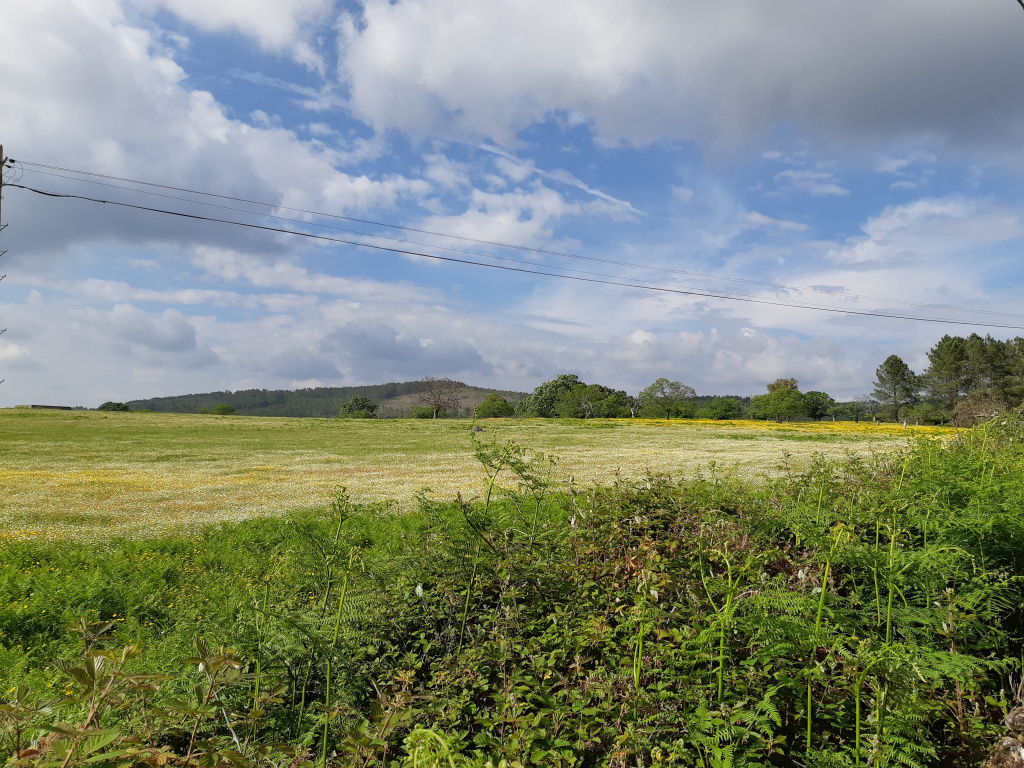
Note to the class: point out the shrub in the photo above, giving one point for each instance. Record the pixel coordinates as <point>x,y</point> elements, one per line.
<point>494,407</point>
<point>358,408</point>
<point>221,409</point>
<point>111,406</point>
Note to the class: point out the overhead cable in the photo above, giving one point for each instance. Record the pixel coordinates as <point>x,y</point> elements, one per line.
<point>619,283</point>
<point>494,243</point>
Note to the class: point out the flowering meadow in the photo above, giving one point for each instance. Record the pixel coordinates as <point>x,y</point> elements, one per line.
<point>91,475</point>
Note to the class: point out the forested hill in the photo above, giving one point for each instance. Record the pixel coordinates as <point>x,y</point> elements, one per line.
<point>395,399</point>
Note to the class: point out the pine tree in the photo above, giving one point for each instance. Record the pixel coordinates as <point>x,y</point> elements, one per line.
<point>895,384</point>
<point>947,378</point>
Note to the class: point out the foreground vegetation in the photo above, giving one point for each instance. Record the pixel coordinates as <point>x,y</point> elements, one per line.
<point>861,612</point>
<point>87,474</point>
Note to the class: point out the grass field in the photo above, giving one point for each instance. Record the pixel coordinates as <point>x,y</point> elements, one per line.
<point>90,474</point>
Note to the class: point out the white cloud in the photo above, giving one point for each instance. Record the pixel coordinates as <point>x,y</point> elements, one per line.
<point>755,220</point>
<point>817,183</point>
<point>715,72</point>
<point>277,25</point>
<point>133,114</point>
<point>519,171</point>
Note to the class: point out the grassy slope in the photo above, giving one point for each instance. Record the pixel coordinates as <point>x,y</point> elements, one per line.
<point>95,474</point>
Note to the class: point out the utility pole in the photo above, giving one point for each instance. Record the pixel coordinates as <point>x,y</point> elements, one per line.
<point>3,170</point>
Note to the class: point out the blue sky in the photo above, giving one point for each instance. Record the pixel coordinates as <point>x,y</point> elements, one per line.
<point>862,158</point>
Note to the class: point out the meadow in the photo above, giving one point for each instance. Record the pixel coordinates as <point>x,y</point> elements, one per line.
<point>792,609</point>
<point>95,475</point>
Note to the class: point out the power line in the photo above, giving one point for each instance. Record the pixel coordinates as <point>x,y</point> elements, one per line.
<point>612,282</point>
<point>494,243</point>
<point>647,283</point>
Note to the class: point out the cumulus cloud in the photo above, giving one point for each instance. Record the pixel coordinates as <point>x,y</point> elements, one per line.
<point>720,73</point>
<point>277,25</point>
<point>134,114</point>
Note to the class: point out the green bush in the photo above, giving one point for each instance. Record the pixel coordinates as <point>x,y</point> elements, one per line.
<point>358,408</point>
<point>221,409</point>
<point>111,406</point>
<point>494,406</point>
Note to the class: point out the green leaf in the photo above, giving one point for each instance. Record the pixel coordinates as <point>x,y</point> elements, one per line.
<point>99,740</point>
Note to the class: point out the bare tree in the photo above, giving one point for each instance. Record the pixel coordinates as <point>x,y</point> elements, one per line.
<point>441,394</point>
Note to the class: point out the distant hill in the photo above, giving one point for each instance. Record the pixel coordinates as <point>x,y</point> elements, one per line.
<point>395,400</point>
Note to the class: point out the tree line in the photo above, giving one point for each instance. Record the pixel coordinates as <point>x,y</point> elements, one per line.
<point>967,379</point>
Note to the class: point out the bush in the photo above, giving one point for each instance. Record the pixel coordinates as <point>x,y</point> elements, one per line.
<point>494,407</point>
<point>110,406</point>
<point>221,409</point>
<point>358,408</point>
<point>421,412</point>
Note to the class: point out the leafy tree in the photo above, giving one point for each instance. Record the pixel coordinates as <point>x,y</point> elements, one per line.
<point>587,401</point>
<point>895,384</point>
<point>494,406</point>
<point>853,410</point>
<point>722,408</point>
<point>783,401</point>
<point>869,407</point>
<point>924,413</point>
<point>358,408</point>
<point>221,409</point>
<point>780,384</point>
<point>669,398</point>
<point>111,406</point>
<point>817,404</point>
<point>542,403</point>
<point>441,395</point>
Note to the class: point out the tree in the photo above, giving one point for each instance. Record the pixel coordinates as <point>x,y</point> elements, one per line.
<point>780,384</point>
<point>853,409</point>
<point>111,406</point>
<point>895,384</point>
<point>441,395</point>
<point>722,408</point>
<point>494,406</point>
<point>783,401</point>
<point>358,408</point>
<point>817,404</point>
<point>946,378</point>
<point>668,397</point>
<point>542,403</point>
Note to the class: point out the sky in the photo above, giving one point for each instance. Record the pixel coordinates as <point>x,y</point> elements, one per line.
<point>802,188</point>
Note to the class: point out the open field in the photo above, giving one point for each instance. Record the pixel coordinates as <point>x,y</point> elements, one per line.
<point>90,474</point>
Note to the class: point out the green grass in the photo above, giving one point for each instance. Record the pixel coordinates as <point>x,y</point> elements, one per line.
<point>91,474</point>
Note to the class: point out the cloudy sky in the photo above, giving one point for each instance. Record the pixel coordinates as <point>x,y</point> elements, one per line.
<point>746,161</point>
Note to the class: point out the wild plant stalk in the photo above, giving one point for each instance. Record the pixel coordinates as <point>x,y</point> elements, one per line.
<point>817,628</point>
<point>890,583</point>
<point>259,656</point>
<point>465,607</point>
<point>724,614</point>
<point>330,656</point>
<point>856,698</point>
<point>323,613</point>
